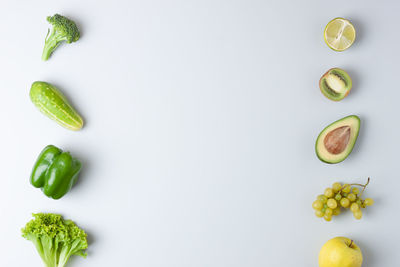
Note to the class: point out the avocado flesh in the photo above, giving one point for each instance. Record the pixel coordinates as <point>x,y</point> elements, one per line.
<point>337,140</point>
<point>335,84</point>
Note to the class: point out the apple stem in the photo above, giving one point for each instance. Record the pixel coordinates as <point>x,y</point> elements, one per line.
<point>351,243</point>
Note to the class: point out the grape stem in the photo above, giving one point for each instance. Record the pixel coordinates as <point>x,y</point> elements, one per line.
<point>361,185</point>
<point>364,186</point>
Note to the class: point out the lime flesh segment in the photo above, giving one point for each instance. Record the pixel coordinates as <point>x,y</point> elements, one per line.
<point>339,34</point>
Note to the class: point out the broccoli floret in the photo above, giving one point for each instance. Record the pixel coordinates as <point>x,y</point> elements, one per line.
<point>55,239</point>
<point>64,30</point>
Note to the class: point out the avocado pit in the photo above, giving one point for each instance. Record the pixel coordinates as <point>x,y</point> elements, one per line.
<point>337,140</point>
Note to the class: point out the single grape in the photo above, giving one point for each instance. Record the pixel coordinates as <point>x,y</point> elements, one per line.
<point>332,203</point>
<point>336,211</point>
<point>319,214</point>
<point>328,192</point>
<point>336,187</point>
<point>351,197</point>
<point>344,194</point>
<point>323,209</point>
<point>356,190</point>
<point>317,205</point>
<point>327,217</point>
<point>323,198</point>
<point>345,202</point>
<point>357,214</point>
<point>369,201</point>
<point>358,201</point>
<point>354,207</point>
<point>329,211</point>
<point>338,197</point>
<point>346,188</point>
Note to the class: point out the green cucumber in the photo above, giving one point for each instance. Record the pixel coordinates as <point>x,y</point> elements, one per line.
<point>51,102</point>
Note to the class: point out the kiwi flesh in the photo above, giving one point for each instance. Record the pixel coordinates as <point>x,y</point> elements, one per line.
<point>335,84</point>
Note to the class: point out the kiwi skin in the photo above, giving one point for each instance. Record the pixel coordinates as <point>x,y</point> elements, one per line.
<point>328,92</point>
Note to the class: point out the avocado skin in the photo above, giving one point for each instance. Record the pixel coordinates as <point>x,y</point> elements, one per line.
<point>351,141</point>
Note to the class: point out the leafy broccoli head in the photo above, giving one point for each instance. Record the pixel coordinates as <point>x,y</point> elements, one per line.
<point>64,30</point>
<point>55,239</point>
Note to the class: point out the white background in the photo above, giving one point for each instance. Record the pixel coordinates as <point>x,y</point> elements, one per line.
<point>201,119</point>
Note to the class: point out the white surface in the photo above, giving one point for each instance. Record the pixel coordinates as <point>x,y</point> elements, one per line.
<point>201,122</point>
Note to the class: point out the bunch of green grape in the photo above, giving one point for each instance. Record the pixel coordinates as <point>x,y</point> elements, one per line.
<point>339,196</point>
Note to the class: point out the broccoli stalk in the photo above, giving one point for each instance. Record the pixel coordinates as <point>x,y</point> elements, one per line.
<point>64,30</point>
<point>55,239</point>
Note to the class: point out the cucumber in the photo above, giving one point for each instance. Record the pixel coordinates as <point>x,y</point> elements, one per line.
<point>51,102</point>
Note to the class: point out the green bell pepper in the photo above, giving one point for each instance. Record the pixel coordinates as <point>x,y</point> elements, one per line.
<point>55,172</point>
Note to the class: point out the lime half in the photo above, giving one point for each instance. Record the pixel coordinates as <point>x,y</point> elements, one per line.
<point>339,34</point>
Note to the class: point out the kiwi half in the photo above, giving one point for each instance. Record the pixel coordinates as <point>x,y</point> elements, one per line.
<point>335,84</point>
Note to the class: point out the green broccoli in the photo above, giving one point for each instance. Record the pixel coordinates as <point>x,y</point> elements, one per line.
<point>64,30</point>
<point>55,239</point>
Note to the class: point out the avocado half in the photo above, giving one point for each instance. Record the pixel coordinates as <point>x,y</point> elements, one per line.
<point>335,84</point>
<point>337,140</point>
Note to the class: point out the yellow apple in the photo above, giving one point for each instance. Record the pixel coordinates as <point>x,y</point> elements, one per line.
<point>340,252</point>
